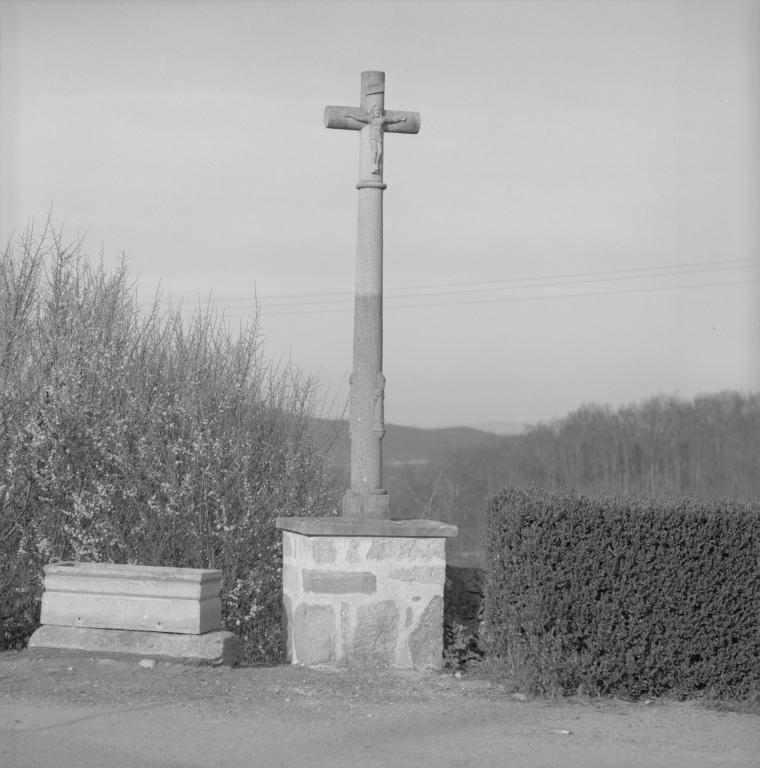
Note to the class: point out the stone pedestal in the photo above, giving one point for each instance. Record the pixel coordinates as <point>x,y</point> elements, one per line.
<point>135,610</point>
<point>364,592</point>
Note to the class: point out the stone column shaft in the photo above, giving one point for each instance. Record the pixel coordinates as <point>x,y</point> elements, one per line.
<point>367,427</point>
<point>366,498</point>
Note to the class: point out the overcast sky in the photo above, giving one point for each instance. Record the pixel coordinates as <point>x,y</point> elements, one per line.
<point>577,220</point>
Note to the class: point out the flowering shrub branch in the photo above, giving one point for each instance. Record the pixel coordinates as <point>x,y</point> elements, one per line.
<point>132,435</point>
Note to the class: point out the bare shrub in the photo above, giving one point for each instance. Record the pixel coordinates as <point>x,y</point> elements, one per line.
<point>133,435</point>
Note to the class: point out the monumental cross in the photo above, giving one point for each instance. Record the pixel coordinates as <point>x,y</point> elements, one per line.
<point>366,498</point>
<point>362,589</point>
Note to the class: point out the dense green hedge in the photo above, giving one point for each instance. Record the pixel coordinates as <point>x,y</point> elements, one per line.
<point>631,596</point>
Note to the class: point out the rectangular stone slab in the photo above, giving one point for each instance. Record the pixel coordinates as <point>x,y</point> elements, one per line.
<point>217,648</point>
<point>132,597</point>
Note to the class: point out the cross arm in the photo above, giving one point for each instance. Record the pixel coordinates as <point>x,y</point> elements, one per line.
<point>399,125</point>
<point>336,117</point>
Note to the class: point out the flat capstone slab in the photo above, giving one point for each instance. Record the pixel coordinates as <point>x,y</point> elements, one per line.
<point>342,526</point>
<point>212,648</point>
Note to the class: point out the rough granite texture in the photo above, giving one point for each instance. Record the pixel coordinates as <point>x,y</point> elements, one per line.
<point>422,641</point>
<point>313,627</point>
<point>376,632</point>
<point>363,600</point>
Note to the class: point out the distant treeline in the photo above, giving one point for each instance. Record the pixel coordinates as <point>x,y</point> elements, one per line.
<point>708,447</point>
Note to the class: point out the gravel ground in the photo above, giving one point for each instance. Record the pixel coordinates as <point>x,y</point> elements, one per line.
<point>78,710</point>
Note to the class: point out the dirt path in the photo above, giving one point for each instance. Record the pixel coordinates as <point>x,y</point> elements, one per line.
<point>74,711</point>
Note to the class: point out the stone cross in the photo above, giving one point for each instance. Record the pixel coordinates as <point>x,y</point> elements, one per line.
<point>366,498</point>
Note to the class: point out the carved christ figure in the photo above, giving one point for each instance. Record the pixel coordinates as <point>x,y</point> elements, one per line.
<point>376,123</point>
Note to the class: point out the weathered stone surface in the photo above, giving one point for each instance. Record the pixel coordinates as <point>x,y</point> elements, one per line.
<point>339,582</point>
<point>323,551</point>
<point>290,577</point>
<point>314,634</point>
<point>376,633</point>
<point>345,631</point>
<point>112,596</point>
<point>365,506</point>
<point>420,574</point>
<point>287,627</point>
<point>148,580</point>
<point>353,555</point>
<point>426,641</point>
<point>216,648</point>
<point>409,617</point>
<point>288,549</point>
<point>409,550</point>
<point>341,526</point>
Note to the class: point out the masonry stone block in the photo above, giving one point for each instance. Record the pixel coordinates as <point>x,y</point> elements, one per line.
<point>420,574</point>
<point>324,551</point>
<point>415,550</point>
<point>289,577</point>
<point>345,631</point>
<point>353,555</point>
<point>376,633</point>
<point>287,626</point>
<point>426,641</point>
<point>339,582</point>
<point>314,634</point>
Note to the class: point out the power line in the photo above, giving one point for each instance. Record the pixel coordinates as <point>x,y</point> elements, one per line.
<point>497,282</point>
<point>504,288</point>
<point>512,299</point>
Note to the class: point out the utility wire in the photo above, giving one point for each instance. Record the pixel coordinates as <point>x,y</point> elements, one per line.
<point>504,288</point>
<point>387,291</point>
<point>511,299</point>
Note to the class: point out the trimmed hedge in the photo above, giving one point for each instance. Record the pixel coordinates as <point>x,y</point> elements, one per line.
<point>627,596</point>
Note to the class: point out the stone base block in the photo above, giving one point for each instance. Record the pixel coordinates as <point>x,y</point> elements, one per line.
<point>216,648</point>
<point>363,598</point>
<point>365,506</point>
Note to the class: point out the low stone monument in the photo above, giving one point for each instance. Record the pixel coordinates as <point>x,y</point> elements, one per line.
<point>134,609</point>
<point>363,588</point>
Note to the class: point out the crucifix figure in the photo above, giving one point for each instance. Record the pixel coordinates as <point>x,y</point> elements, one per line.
<point>366,498</point>
<point>376,123</point>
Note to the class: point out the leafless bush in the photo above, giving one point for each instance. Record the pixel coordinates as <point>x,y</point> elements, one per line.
<point>133,435</point>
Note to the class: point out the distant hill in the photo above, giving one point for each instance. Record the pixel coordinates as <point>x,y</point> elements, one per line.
<point>406,445</point>
<point>502,427</point>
